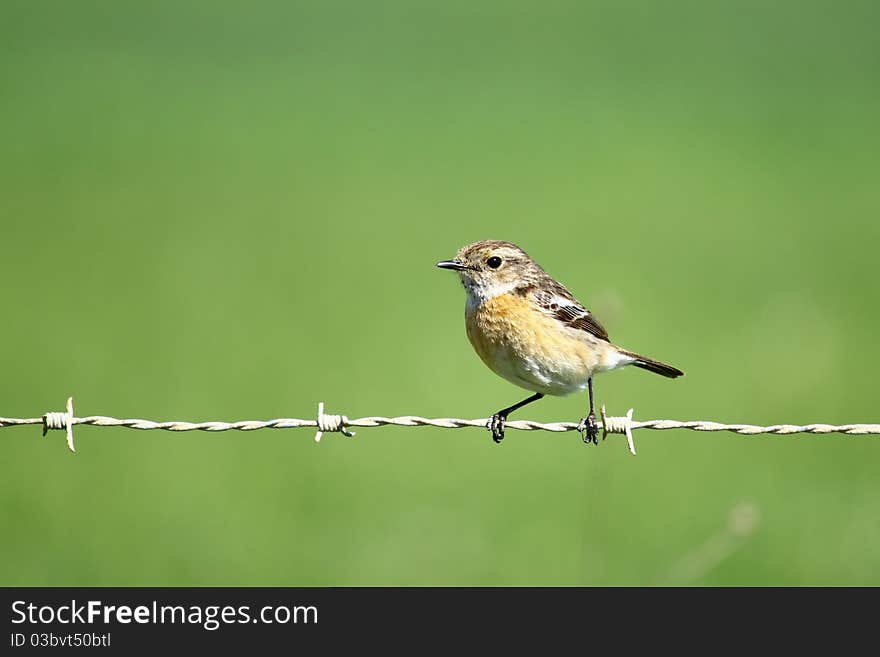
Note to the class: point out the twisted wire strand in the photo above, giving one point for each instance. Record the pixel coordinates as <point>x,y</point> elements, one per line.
<point>448,423</point>
<point>751,429</point>
<point>326,423</point>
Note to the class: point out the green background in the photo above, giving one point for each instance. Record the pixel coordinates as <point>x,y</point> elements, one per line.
<point>223,211</point>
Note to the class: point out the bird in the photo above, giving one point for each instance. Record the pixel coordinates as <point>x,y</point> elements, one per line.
<point>530,330</point>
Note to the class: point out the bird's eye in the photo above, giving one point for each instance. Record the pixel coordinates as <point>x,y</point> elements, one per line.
<point>494,262</point>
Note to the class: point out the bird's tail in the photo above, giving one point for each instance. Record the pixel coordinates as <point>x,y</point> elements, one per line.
<point>652,365</point>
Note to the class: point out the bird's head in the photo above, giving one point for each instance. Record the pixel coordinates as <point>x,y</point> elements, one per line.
<point>490,268</point>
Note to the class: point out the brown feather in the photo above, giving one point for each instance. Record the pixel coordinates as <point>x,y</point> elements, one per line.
<point>555,299</point>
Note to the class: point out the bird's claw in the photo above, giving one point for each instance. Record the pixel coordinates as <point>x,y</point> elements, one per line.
<point>589,429</point>
<point>496,426</point>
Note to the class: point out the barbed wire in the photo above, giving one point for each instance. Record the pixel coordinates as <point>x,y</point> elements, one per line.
<point>327,423</point>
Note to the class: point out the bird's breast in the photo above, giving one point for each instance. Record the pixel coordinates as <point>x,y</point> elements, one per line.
<point>530,348</point>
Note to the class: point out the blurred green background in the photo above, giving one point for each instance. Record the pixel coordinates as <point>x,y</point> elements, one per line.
<point>223,211</point>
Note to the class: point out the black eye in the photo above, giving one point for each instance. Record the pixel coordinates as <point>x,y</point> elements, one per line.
<point>494,262</point>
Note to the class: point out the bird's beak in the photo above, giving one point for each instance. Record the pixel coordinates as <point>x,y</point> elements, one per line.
<point>452,264</point>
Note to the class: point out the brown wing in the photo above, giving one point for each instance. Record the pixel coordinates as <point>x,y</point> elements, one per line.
<point>559,302</point>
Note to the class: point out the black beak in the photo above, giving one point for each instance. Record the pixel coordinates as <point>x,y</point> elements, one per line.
<point>452,264</point>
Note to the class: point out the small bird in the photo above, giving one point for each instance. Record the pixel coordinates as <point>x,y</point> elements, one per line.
<point>529,329</point>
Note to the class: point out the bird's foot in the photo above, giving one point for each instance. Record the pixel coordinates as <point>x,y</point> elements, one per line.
<point>589,429</point>
<point>496,426</point>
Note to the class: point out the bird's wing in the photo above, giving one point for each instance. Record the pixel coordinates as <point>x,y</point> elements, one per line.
<point>558,302</point>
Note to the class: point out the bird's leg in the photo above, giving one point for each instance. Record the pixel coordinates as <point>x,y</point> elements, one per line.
<point>496,423</point>
<point>588,427</point>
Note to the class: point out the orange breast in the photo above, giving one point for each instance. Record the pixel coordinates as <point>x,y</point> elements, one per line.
<point>529,348</point>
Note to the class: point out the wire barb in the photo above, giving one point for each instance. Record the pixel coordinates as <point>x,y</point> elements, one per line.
<point>61,422</point>
<point>619,425</point>
<point>331,423</point>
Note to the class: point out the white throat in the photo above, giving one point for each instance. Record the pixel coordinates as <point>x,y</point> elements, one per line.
<point>479,294</point>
